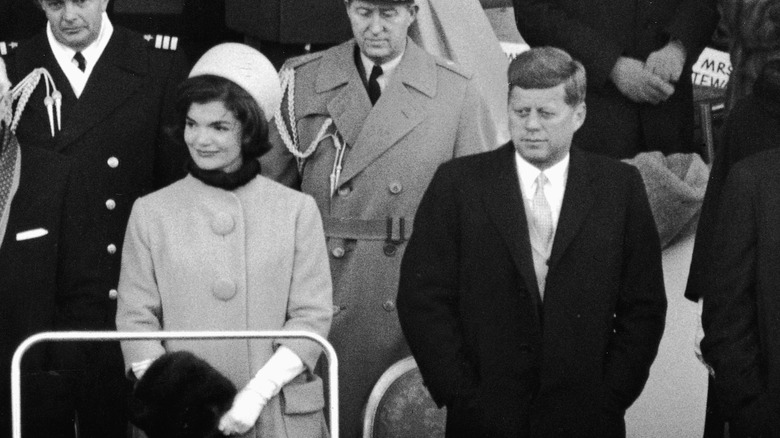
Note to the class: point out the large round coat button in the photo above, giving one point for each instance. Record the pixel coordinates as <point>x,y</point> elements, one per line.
<point>113,162</point>
<point>338,252</point>
<point>224,289</point>
<point>111,249</point>
<point>222,223</point>
<point>110,204</point>
<point>344,190</point>
<point>336,310</point>
<point>389,305</point>
<point>395,187</point>
<point>112,294</point>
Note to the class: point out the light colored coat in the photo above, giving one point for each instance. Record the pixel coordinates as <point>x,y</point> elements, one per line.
<point>429,112</point>
<point>198,257</point>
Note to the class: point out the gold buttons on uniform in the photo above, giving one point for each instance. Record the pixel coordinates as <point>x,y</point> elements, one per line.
<point>113,162</point>
<point>389,305</point>
<point>222,223</point>
<point>111,249</point>
<point>395,187</point>
<point>338,252</point>
<point>224,289</point>
<point>112,294</point>
<point>110,204</point>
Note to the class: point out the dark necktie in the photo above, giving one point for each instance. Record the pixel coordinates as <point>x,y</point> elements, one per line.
<point>374,91</point>
<point>81,63</point>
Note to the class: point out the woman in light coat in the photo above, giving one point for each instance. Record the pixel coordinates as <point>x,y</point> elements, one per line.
<point>227,249</point>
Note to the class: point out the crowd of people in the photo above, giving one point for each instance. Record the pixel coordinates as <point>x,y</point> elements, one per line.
<point>401,190</point>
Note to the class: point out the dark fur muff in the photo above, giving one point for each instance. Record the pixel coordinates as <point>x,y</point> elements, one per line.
<point>181,396</point>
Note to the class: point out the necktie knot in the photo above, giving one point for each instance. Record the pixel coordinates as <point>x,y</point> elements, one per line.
<point>374,90</point>
<point>80,62</point>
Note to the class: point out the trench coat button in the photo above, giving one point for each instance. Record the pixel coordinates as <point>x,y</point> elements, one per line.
<point>336,310</point>
<point>395,187</point>
<point>344,190</point>
<point>112,294</point>
<point>338,252</point>
<point>111,248</point>
<point>390,249</point>
<point>222,223</point>
<point>110,204</point>
<point>224,289</point>
<point>389,305</point>
<point>113,162</point>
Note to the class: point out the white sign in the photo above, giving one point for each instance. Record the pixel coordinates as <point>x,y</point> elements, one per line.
<point>712,69</point>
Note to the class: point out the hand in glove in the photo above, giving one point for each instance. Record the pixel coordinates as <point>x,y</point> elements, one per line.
<point>280,369</point>
<point>638,84</point>
<point>244,413</point>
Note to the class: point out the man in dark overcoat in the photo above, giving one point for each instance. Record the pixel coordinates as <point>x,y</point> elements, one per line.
<point>638,55</point>
<point>40,283</point>
<point>117,92</point>
<point>531,291</point>
<point>742,301</point>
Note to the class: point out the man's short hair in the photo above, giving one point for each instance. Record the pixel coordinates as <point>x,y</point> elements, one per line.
<point>548,67</point>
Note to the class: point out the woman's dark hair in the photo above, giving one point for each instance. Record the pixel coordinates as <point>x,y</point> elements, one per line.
<point>209,88</point>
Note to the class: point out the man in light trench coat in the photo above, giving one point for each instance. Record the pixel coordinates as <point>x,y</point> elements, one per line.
<point>367,166</point>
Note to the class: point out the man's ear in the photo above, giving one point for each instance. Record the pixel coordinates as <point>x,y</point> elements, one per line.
<point>580,111</point>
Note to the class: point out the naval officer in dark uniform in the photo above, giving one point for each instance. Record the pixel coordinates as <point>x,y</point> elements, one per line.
<point>117,91</point>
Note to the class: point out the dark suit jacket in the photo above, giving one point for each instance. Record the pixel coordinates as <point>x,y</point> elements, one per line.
<point>121,114</point>
<point>38,287</point>
<point>505,364</point>
<point>290,21</point>
<point>742,304</point>
<point>115,135</point>
<point>753,126</point>
<point>596,33</point>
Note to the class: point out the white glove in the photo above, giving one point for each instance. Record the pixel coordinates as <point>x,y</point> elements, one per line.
<point>139,368</point>
<point>280,369</point>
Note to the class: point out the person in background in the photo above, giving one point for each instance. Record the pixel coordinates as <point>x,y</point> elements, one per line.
<point>227,249</point>
<point>752,126</point>
<point>362,128</point>
<point>639,56</point>
<point>741,302</point>
<point>40,282</point>
<point>115,94</point>
<point>284,29</point>
<point>531,291</point>
<point>753,31</point>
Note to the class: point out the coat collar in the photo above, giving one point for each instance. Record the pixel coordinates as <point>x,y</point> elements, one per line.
<point>504,203</point>
<point>118,74</point>
<point>370,131</point>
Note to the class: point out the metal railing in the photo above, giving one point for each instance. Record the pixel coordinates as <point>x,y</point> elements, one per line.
<point>16,396</point>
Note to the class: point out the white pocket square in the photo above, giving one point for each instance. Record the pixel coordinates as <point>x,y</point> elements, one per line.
<point>31,234</point>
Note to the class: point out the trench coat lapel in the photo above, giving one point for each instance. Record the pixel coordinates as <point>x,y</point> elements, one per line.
<point>118,75</point>
<point>350,105</point>
<point>577,203</point>
<point>504,205</point>
<point>402,107</point>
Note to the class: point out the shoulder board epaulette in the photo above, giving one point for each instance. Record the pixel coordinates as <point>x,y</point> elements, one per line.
<point>454,67</point>
<point>298,61</point>
<point>162,42</point>
<point>7,47</point>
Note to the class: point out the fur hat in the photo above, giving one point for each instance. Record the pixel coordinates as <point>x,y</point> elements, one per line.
<point>248,68</point>
<point>181,396</point>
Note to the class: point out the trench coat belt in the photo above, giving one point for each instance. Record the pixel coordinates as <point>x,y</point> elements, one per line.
<point>391,229</point>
